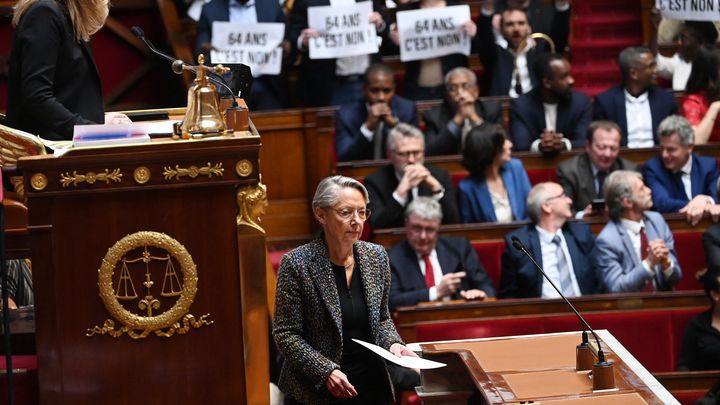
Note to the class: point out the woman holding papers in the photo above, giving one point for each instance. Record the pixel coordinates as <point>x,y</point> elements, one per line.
<point>330,291</point>
<point>53,83</point>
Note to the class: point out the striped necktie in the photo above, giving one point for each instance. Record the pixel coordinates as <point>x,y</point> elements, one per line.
<point>566,285</point>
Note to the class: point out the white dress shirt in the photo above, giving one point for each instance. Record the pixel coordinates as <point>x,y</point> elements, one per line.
<point>639,121</point>
<point>550,263</point>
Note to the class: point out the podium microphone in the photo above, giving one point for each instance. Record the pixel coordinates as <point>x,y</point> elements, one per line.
<point>140,34</point>
<point>603,377</point>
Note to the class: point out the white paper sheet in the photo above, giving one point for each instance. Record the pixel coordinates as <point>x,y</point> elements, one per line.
<point>405,361</point>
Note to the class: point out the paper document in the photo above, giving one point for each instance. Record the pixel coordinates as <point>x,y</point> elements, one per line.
<point>405,361</point>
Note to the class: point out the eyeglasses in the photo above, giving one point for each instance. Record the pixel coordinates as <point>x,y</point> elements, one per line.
<point>346,214</point>
<point>454,88</point>
<point>557,196</point>
<point>407,154</point>
<point>417,229</point>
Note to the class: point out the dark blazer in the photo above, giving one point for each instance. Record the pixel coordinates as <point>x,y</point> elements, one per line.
<point>520,278</point>
<point>350,143</point>
<point>307,327</point>
<point>455,254</point>
<point>267,11</point>
<point>499,62</point>
<point>53,83</point>
<point>711,243</point>
<point>527,119</point>
<point>474,198</point>
<point>620,268</point>
<point>610,105</point>
<point>387,213</point>
<point>666,193</point>
<point>439,140</point>
<point>576,178</point>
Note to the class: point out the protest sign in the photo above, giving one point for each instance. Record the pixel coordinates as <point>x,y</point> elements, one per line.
<point>343,31</point>
<point>256,45</point>
<point>433,32</point>
<point>696,10</point>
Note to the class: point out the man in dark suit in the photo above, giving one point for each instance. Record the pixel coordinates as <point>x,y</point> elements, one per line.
<point>267,92</point>
<point>582,176</point>
<point>448,124</point>
<point>561,248</point>
<point>394,186</point>
<point>552,117</point>
<point>455,271</point>
<point>361,127</point>
<point>680,180</point>
<point>502,67</point>
<point>636,105</point>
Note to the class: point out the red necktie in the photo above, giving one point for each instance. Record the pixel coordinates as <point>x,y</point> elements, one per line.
<point>429,272</point>
<point>643,254</point>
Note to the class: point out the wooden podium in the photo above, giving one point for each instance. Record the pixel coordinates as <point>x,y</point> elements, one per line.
<point>149,273</point>
<point>532,369</point>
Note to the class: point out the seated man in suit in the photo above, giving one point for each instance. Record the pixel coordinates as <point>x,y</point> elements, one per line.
<point>561,248</point>
<point>392,187</point>
<point>361,127</point>
<point>680,180</point>
<point>455,272</point>
<point>636,105</point>
<point>582,176</point>
<point>634,251</point>
<point>447,125</point>
<point>552,117</point>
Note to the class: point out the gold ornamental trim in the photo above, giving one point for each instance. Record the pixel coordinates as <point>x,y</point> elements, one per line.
<point>252,201</point>
<point>141,174</point>
<point>177,319</point>
<point>38,181</point>
<point>193,171</point>
<point>67,179</point>
<point>244,168</point>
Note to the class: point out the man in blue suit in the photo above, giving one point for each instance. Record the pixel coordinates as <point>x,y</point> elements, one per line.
<point>680,180</point>
<point>552,117</point>
<point>636,105</point>
<point>561,248</point>
<point>635,250</point>
<point>267,91</point>
<point>361,127</point>
<point>456,271</point>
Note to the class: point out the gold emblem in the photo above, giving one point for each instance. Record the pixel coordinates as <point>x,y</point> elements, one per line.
<point>39,181</point>
<point>67,179</point>
<point>150,307</point>
<point>244,168</point>
<point>141,175</point>
<point>193,171</point>
<point>252,201</point>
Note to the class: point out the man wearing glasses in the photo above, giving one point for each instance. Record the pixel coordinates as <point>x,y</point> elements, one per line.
<point>429,267</point>
<point>448,124</point>
<point>561,248</point>
<point>393,187</point>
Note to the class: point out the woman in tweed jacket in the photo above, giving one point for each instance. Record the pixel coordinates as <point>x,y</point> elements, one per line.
<point>315,305</point>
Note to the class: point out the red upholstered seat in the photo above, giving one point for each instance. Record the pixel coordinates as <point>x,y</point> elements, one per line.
<point>490,254</point>
<point>679,320</point>
<point>689,250</point>
<point>478,329</point>
<point>275,258</point>
<point>25,380</point>
<point>541,175</point>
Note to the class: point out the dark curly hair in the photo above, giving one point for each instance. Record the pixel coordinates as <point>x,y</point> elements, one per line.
<point>705,77</point>
<point>482,145</point>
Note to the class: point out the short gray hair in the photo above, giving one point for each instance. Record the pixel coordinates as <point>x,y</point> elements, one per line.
<point>461,69</point>
<point>617,187</point>
<point>425,208</point>
<point>535,199</point>
<point>676,124</point>
<point>326,194</point>
<point>629,58</point>
<point>403,130</point>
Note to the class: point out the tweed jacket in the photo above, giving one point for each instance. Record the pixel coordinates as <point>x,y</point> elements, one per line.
<point>308,321</point>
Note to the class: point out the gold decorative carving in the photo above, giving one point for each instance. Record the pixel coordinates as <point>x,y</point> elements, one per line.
<point>252,201</point>
<point>38,181</point>
<point>193,171</point>
<point>141,174</point>
<point>67,179</point>
<point>156,247</point>
<point>244,168</point>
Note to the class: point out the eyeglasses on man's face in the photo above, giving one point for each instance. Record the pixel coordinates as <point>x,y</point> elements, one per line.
<point>346,214</point>
<point>561,195</point>
<point>407,154</point>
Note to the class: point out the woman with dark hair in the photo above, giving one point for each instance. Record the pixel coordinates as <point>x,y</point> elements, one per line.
<point>702,104</point>
<point>497,186</point>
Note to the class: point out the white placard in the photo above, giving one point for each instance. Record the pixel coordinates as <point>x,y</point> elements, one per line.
<point>256,45</point>
<point>342,31</point>
<point>405,361</point>
<point>433,32</point>
<point>696,10</point>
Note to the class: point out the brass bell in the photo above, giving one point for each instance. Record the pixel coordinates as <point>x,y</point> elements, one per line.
<point>202,116</point>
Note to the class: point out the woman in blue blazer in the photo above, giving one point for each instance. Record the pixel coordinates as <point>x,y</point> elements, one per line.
<point>497,186</point>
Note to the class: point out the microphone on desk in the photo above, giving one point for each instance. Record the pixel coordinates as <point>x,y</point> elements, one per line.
<point>602,371</point>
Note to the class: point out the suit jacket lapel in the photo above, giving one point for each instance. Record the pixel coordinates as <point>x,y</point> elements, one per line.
<point>621,114</point>
<point>322,274</point>
<point>85,46</point>
<point>696,183</point>
<point>371,283</point>
<point>411,263</point>
<point>627,243</point>
<point>587,180</point>
<point>448,262</point>
<point>536,252</point>
<point>563,115</point>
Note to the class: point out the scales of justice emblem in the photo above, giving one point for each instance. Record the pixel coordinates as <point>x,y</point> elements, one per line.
<point>128,288</point>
